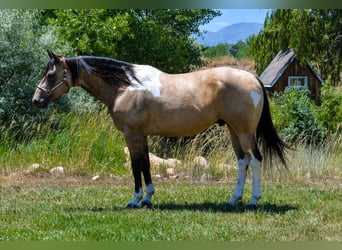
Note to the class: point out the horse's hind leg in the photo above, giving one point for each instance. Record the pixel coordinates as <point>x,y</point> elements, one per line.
<point>138,149</point>
<point>250,147</point>
<point>256,173</point>
<point>243,162</point>
<point>247,152</point>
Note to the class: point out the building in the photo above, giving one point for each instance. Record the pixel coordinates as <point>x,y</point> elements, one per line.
<point>285,71</point>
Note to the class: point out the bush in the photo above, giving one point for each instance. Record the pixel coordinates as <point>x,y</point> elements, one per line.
<point>23,44</point>
<point>330,110</point>
<point>296,117</point>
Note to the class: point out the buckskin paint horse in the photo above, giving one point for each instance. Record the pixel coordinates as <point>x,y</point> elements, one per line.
<point>143,100</point>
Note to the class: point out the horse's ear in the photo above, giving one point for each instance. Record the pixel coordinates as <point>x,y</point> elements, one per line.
<point>53,55</point>
<point>50,53</point>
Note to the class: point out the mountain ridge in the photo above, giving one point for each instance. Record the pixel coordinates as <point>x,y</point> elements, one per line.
<point>230,34</point>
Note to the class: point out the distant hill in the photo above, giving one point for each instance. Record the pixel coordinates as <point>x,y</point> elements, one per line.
<point>230,34</point>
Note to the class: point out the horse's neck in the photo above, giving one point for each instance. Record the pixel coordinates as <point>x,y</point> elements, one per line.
<point>98,87</point>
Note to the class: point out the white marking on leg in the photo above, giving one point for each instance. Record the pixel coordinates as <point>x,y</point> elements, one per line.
<point>241,179</point>
<point>145,78</point>
<point>255,97</point>
<point>136,198</point>
<point>256,172</point>
<point>149,192</point>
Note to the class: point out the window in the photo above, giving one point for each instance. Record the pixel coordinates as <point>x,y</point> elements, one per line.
<point>298,82</point>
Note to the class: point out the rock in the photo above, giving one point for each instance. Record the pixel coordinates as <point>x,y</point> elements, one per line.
<point>201,162</point>
<point>57,172</point>
<point>205,177</point>
<point>155,160</point>
<point>34,169</point>
<point>173,177</point>
<point>95,178</point>
<point>126,151</point>
<point>174,162</point>
<point>170,171</point>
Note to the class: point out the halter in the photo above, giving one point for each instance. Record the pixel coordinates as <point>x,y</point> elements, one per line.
<point>63,82</point>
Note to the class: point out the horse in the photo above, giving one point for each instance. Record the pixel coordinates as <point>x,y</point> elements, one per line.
<point>143,101</point>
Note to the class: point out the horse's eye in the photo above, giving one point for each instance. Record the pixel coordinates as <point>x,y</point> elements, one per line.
<point>50,76</point>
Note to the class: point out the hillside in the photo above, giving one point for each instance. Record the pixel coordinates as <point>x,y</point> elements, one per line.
<point>230,34</point>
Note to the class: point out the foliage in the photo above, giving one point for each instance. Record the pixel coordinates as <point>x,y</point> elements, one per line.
<point>314,34</point>
<point>23,44</point>
<point>216,51</point>
<point>157,37</point>
<point>238,50</point>
<point>300,119</point>
<point>330,110</point>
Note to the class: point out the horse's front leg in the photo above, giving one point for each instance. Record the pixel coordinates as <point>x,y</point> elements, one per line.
<point>138,149</point>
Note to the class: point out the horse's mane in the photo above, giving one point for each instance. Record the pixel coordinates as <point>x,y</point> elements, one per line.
<point>113,71</point>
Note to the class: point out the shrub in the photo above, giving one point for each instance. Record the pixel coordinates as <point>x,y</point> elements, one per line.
<point>330,110</point>
<point>296,115</point>
<point>23,44</point>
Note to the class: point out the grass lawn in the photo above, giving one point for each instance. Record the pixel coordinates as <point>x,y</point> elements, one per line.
<point>77,208</point>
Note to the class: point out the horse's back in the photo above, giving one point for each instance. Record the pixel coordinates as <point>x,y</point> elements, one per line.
<point>186,104</point>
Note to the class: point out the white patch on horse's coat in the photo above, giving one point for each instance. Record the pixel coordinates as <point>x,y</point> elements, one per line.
<point>256,176</point>
<point>137,197</point>
<point>256,173</point>
<point>145,78</point>
<point>241,179</point>
<point>255,97</point>
<point>149,189</point>
<point>149,192</point>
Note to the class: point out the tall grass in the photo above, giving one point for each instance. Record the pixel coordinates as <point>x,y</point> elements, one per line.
<point>82,144</point>
<point>305,162</point>
<point>89,144</point>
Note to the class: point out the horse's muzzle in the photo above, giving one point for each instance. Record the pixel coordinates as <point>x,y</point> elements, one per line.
<point>40,102</point>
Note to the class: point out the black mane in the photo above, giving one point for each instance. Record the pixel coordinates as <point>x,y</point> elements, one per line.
<point>113,71</point>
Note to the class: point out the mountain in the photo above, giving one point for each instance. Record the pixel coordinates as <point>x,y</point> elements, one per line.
<point>230,34</point>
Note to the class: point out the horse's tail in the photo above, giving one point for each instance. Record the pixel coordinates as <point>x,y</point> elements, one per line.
<point>267,134</point>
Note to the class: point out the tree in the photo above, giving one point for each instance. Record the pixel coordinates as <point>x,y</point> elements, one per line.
<point>218,50</point>
<point>157,37</point>
<point>315,35</point>
<point>23,44</point>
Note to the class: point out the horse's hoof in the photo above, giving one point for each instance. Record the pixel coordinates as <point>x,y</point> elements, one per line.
<point>252,207</point>
<point>132,206</point>
<point>146,204</point>
<point>229,204</point>
<point>234,201</point>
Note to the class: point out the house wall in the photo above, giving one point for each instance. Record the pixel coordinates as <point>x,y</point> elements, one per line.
<point>295,69</point>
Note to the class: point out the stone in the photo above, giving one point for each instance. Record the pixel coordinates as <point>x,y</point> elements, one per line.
<point>170,171</point>
<point>201,162</point>
<point>34,169</point>
<point>95,178</point>
<point>57,172</point>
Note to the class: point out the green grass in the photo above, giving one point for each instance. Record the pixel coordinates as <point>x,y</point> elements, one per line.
<point>75,208</point>
<point>302,203</point>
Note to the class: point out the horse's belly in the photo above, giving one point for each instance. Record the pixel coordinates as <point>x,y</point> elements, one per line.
<point>179,123</point>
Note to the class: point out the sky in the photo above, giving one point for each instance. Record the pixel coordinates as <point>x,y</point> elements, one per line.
<point>232,16</point>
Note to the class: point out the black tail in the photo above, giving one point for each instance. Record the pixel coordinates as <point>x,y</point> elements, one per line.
<point>267,134</point>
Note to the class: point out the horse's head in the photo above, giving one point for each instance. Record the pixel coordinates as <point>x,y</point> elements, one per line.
<point>56,82</point>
